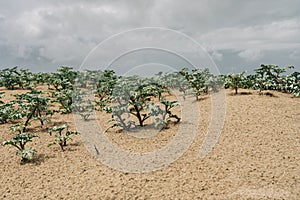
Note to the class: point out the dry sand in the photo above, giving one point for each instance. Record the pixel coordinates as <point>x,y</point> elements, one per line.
<point>257,157</point>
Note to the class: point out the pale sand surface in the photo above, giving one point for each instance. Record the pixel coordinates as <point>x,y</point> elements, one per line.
<point>257,157</point>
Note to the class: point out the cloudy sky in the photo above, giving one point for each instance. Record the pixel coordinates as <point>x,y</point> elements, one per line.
<point>238,35</point>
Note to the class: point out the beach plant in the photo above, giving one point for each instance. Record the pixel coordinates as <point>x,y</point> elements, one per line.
<point>175,81</point>
<point>214,83</point>
<point>34,106</point>
<point>8,113</point>
<point>16,77</point>
<point>106,82</point>
<point>64,78</point>
<point>194,82</point>
<point>293,85</point>
<point>249,82</point>
<point>10,78</point>
<point>62,135</point>
<point>17,128</point>
<point>81,105</point>
<point>135,97</point>
<point>132,95</point>
<point>19,141</point>
<point>163,115</point>
<point>235,81</point>
<point>182,81</point>
<point>269,77</point>
<point>27,79</point>
<point>84,108</point>
<point>65,99</point>
<point>198,80</point>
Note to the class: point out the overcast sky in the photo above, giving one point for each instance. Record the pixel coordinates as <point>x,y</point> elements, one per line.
<point>237,34</point>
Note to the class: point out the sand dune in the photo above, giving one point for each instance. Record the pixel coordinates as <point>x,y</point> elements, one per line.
<point>257,156</point>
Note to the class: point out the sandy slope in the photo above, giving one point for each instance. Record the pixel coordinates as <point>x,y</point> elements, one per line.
<point>257,157</point>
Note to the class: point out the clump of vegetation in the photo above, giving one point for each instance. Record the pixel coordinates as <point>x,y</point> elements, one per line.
<point>16,77</point>
<point>64,78</point>
<point>235,81</point>
<point>270,77</point>
<point>62,135</point>
<point>34,106</point>
<point>82,106</point>
<point>134,96</point>
<point>19,141</point>
<point>165,113</point>
<point>8,113</point>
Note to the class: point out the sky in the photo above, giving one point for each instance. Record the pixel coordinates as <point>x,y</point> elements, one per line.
<point>137,36</point>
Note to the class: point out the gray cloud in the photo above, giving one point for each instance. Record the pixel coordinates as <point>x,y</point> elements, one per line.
<point>251,54</point>
<point>43,35</point>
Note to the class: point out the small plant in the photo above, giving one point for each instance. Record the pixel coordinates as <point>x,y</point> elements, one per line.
<point>8,113</point>
<point>17,127</point>
<point>117,116</point>
<point>132,95</point>
<point>34,107</point>
<point>168,105</point>
<point>165,113</point>
<point>175,80</point>
<point>105,85</point>
<point>19,141</point>
<point>235,81</point>
<point>63,79</point>
<point>198,81</point>
<point>65,99</point>
<point>63,134</point>
<point>269,78</point>
<point>10,78</point>
<point>294,84</point>
<point>82,106</point>
<point>181,81</point>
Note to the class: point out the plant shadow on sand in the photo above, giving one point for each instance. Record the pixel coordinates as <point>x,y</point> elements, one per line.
<point>37,160</point>
<point>241,94</point>
<point>270,94</point>
<point>245,93</point>
<point>75,144</point>
<point>68,148</point>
